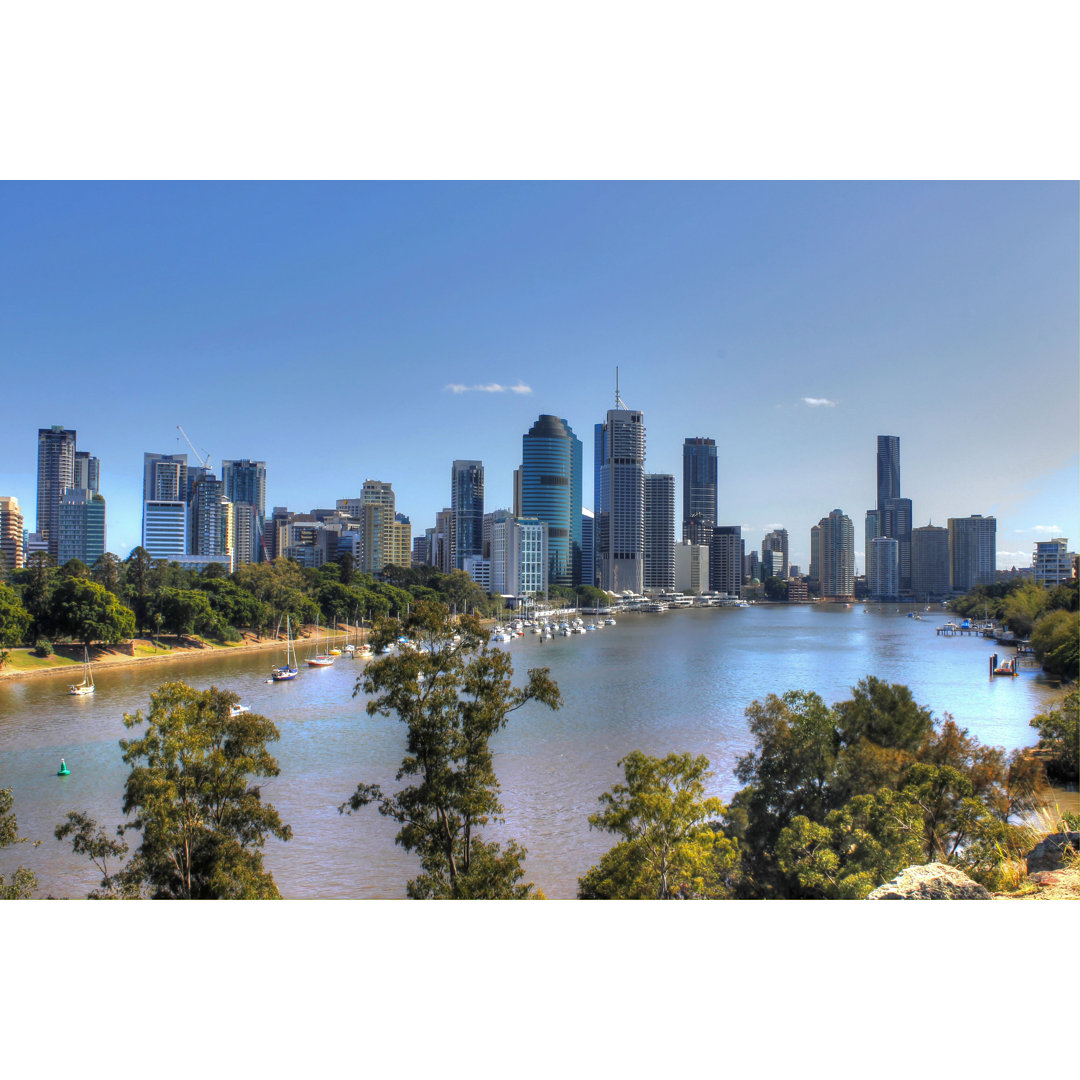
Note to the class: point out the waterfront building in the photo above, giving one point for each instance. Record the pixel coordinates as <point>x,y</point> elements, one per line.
<point>467,505</point>
<point>771,565</point>
<point>206,529</point>
<point>165,528</point>
<point>894,516</point>
<point>777,541</point>
<point>520,558</point>
<point>479,569</point>
<point>726,561</point>
<point>884,582</point>
<point>81,526</point>
<point>1052,563</point>
<point>56,471</point>
<point>872,532</point>
<point>930,563</point>
<point>11,532</point>
<point>972,552</point>
<point>658,567</point>
<point>619,491</point>
<point>896,523</point>
<point>548,487</point>
<point>815,555</point>
<point>399,552</point>
<point>245,486</point>
<point>751,566</point>
<point>836,555</point>
<point>797,591</point>
<point>699,488</point>
<point>588,547</point>
<point>691,568</point>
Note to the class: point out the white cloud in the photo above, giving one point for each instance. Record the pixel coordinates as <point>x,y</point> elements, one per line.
<point>1053,530</point>
<point>1022,558</point>
<point>815,402</point>
<point>490,388</point>
<point>774,525</point>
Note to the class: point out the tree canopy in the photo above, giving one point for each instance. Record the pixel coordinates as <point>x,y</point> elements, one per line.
<point>452,691</point>
<point>23,883</point>
<point>202,823</point>
<point>672,846</point>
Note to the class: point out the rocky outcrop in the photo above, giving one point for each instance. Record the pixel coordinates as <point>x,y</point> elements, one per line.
<point>1050,854</point>
<point>936,881</point>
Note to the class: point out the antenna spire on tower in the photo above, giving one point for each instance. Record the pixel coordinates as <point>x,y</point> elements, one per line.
<point>619,403</point>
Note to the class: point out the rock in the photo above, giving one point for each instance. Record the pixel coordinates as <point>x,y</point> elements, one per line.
<point>1050,853</point>
<point>936,881</point>
<point>1048,877</point>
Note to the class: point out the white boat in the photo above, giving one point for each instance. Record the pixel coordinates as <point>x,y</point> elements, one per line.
<point>238,709</point>
<point>320,659</point>
<point>609,621</point>
<point>87,684</point>
<point>288,671</point>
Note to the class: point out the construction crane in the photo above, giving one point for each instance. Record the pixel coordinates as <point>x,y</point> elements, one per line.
<point>198,457</point>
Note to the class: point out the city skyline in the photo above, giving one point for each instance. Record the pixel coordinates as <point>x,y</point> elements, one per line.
<point>759,315</point>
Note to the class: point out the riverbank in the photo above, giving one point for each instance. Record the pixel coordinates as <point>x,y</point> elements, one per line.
<point>22,664</point>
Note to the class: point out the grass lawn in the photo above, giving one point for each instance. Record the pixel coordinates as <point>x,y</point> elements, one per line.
<point>25,660</point>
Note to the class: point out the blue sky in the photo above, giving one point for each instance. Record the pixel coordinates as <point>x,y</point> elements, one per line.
<point>323,328</point>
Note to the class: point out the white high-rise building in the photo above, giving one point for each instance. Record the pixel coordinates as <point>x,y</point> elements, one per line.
<point>972,552</point>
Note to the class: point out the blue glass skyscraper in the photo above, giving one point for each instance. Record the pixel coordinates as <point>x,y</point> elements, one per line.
<point>699,489</point>
<point>551,491</point>
<point>467,505</point>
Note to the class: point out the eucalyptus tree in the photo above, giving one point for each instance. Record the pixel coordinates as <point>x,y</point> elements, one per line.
<point>452,691</point>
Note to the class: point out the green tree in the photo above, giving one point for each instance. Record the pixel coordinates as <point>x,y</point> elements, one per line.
<point>106,571</point>
<point>203,824</point>
<point>452,696</point>
<point>1023,606</point>
<point>1059,733</point>
<point>87,612</point>
<point>672,846</point>
<point>89,839</point>
<point>858,847</point>
<point>23,882</point>
<point>775,588</point>
<point>1056,641</point>
<point>37,588</point>
<point>14,618</point>
<point>185,612</point>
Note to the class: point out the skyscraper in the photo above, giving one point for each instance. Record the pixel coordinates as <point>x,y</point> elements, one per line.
<point>87,471</point>
<point>836,546</point>
<point>884,582</point>
<point>245,485</point>
<point>467,504</point>
<point>165,508</point>
<point>548,487</point>
<point>81,526</point>
<point>699,488</point>
<point>56,471</point>
<point>726,560</point>
<point>658,569</point>
<point>777,541</point>
<point>888,469</point>
<point>893,513</point>
<point>11,532</point>
<point>972,552</point>
<point>619,491</point>
<point>930,562</point>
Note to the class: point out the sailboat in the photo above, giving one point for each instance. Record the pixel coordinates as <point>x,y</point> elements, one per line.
<point>283,674</point>
<point>320,659</point>
<point>87,684</point>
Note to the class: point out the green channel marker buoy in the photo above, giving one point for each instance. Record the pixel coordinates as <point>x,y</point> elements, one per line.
<point>63,770</point>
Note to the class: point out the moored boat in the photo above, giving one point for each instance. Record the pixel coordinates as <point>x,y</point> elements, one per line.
<point>87,684</point>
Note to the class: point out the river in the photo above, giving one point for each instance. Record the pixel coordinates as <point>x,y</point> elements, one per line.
<point>677,681</point>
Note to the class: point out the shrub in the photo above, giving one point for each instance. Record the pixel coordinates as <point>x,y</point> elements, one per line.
<point>43,647</point>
